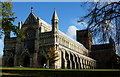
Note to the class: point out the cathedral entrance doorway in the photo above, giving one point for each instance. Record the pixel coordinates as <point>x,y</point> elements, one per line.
<point>42,62</point>
<point>11,62</point>
<point>26,61</point>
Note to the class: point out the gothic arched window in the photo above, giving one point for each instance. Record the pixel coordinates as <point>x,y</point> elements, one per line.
<point>30,39</point>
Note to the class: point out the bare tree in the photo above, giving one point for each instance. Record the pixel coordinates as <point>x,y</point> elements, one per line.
<point>103,20</point>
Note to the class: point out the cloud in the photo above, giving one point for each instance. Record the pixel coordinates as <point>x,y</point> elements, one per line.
<point>81,25</point>
<point>71,31</point>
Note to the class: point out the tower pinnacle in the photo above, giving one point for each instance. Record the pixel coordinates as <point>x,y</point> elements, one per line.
<point>55,16</point>
<point>55,21</point>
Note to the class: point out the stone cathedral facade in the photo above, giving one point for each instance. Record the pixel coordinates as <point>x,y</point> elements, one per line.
<point>40,37</point>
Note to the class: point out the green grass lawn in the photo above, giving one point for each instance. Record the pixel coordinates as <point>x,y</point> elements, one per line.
<point>24,68</point>
<point>42,72</point>
<point>9,74</point>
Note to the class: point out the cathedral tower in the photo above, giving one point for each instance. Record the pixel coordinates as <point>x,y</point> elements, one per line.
<point>85,37</point>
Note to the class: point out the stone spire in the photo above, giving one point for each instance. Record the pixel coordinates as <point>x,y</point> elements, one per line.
<point>55,17</point>
<point>55,21</point>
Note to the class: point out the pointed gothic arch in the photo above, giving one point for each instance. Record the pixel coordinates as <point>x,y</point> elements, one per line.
<point>41,61</point>
<point>25,59</point>
<point>10,62</point>
<point>42,58</point>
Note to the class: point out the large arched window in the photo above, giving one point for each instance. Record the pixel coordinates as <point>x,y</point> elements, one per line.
<point>30,39</point>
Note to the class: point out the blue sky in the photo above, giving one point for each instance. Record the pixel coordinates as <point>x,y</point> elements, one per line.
<point>68,13</point>
<point>61,0</point>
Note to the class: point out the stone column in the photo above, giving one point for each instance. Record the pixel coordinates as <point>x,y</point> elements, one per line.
<point>48,63</point>
<point>70,60</point>
<point>65,59</point>
<point>15,60</point>
<point>91,65</point>
<point>35,55</point>
<point>20,62</point>
<point>81,61</point>
<point>60,60</point>
<point>31,62</point>
<point>74,60</point>
<point>88,65</point>
<point>35,62</point>
<point>4,61</point>
<point>78,62</point>
<point>85,63</point>
<point>94,64</point>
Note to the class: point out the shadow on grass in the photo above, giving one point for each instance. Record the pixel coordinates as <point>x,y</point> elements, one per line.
<point>42,72</point>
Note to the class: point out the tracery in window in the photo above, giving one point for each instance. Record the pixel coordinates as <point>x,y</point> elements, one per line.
<point>30,40</point>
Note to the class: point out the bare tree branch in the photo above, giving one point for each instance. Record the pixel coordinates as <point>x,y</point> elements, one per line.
<point>101,20</point>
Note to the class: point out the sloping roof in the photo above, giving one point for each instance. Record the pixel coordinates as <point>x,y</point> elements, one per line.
<point>72,40</point>
<point>31,18</point>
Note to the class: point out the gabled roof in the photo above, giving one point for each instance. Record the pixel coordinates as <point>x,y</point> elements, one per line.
<point>31,18</point>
